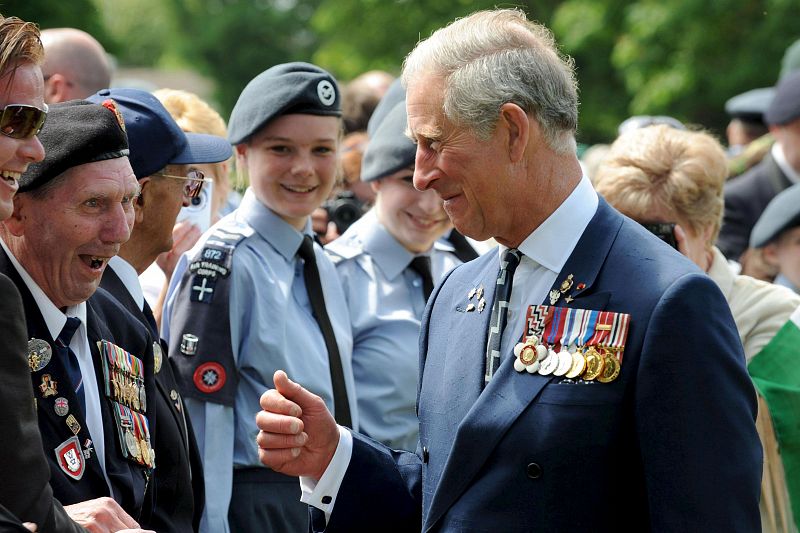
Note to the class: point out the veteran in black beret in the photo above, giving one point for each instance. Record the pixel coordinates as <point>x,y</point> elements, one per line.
<point>747,195</point>
<point>778,233</point>
<point>257,294</point>
<point>91,363</point>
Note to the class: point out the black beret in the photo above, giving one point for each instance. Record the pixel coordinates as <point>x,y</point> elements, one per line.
<point>284,89</point>
<point>785,107</point>
<point>782,213</point>
<point>389,150</point>
<point>395,93</point>
<point>75,133</point>
<point>751,105</point>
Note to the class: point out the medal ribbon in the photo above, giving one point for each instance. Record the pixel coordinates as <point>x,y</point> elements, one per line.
<point>587,327</point>
<point>619,333</point>
<point>536,319</point>
<point>604,318</point>
<point>573,329</point>
<point>555,328</point>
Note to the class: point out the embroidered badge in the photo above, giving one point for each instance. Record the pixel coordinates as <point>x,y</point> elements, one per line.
<point>203,289</point>
<point>209,377</point>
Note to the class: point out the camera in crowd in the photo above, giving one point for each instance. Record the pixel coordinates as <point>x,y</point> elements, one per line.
<point>344,209</point>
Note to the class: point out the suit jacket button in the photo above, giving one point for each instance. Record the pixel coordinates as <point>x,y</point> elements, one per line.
<point>534,471</point>
<point>425,454</point>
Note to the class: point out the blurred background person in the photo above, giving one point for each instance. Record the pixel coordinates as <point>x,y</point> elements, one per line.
<point>671,181</point>
<point>389,261</point>
<point>75,65</point>
<point>257,294</point>
<point>360,97</point>
<point>777,234</point>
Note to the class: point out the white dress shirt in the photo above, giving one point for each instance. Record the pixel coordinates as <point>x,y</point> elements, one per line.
<point>546,251</point>
<point>55,320</point>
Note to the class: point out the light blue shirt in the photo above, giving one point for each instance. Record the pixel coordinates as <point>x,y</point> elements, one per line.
<point>272,327</point>
<point>386,303</point>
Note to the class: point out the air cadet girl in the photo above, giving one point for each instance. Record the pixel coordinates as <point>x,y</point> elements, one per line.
<point>388,261</point>
<point>256,295</point>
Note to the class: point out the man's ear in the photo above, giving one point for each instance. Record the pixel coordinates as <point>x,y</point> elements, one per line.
<point>56,88</point>
<point>15,224</point>
<point>518,126</point>
<point>142,200</point>
<point>770,254</point>
<point>241,152</point>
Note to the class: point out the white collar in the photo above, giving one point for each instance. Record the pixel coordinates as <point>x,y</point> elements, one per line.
<point>127,274</point>
<point>783,164</point>
<point>551,244</point>
<point>53,317</point>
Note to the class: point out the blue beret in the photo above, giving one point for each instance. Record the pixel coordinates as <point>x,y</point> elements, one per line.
<point>785,107</point>
<point>395,93</point>
<point>389,150</point>
<point>284,89</point>
<point>155,138</point>
<point>782,213</point>
<point>75,133</point>
<point>750,105</point>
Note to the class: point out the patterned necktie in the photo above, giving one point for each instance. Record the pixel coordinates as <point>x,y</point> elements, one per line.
<point>422,266</point>
<point>497,322</point>
<point>341,406</point>
<point>69,358</point>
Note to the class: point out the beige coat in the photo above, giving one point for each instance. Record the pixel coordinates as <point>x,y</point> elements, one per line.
<point>760,309</point>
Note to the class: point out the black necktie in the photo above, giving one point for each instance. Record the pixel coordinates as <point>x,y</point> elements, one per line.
<point>422,266</point>
<point>341,406</point>
<point>69,358</point>
<point>499,318</point>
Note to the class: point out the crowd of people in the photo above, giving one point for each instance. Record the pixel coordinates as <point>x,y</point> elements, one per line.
<point>422,313</point>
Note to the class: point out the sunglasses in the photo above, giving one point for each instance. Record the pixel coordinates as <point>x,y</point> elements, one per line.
<point>20,121</point>
<point>194,182</point>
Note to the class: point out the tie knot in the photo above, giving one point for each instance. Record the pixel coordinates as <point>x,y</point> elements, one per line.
<point>69,330</point>
<point>511,259</point>
<point>306,251</point>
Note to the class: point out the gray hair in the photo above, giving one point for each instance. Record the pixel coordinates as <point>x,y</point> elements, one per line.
<point>495,57</point>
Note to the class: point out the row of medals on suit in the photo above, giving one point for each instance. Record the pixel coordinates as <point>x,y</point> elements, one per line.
<point>588,363</point>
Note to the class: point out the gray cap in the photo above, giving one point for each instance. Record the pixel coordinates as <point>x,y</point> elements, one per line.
<point>389,150</point>
<point>284,89</point>
<point>782,213</point>
<point>751,105</point>
<point>785,107</point>
<point>642,121</point>
<point>791,60</point>
<point>395,93</point>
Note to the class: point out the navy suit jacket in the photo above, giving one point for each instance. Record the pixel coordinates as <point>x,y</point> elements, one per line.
<point>670,445</point>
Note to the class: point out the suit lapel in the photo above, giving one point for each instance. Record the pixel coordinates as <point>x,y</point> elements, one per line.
<point>509,393</point>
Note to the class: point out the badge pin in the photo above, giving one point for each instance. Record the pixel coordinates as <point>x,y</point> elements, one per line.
<point>479,293</point>
<point>70,458</point>
<point>48,386</point>
<point>470,308</point>
<point>471,293</point>
<point>568,299</point>
<point>39,354</point>
<point>73,425</point>
<point>554,296</point>
<point>61,406</point>
<point>481,305</point>
<point>88,448</point>
<point>189,344</point>
<point>173,395</point>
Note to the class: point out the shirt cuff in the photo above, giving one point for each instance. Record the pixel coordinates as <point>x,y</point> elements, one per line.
<point>322,493</point>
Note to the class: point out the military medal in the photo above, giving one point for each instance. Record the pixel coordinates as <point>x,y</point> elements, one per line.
<point>564,363</point>
<point>48,386</point>
<point>39,354</point>
<point>578,365</point>
<point>526,355</point>
<point>132,444</point>
<point>61,406</point>
<point>553,335</point>
<point>157,357</point>
<point>610,369</point>
<point>594,364</point>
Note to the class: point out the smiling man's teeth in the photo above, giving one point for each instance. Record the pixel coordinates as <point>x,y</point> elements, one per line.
<point>9,175</point>
<point>96,262</point>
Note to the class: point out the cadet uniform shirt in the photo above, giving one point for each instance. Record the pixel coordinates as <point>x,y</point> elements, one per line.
<point>271,327</point>
<point>386,303</point>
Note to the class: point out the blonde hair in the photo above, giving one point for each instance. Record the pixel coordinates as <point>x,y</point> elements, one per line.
<point>19,44</point>
<point>659,166</point>
<point>194,115</point>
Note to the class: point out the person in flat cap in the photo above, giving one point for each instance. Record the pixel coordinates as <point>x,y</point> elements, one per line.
<point>388,262</point>
<point>777,232</point>
<point>747,195</point>
<point>257,294</point>
<point>73,212</point>
<point>747,118</point>
<point>163,159</point>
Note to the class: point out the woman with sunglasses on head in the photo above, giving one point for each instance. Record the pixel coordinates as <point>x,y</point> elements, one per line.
<point>25,491</point>
<point>257,294</point>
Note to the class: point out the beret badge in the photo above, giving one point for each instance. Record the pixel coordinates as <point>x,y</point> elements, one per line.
<point>112,106</point>
<point>326,92</point>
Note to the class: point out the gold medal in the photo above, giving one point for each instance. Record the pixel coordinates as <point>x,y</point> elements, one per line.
<point>610,370</point>
<point>594,364</point>
<point>145,451</point>
<point>578,365</point>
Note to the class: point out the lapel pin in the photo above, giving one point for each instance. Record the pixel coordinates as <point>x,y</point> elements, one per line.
<point>48,386</point>
<point>470,308</point>
<point>568,298</point>
<point>471,293</point>
<point>481,305</point>
<point>39,354</point>
<point>61,406</point>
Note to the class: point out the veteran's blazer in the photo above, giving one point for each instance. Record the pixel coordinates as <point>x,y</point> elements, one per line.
<point>670,445</point>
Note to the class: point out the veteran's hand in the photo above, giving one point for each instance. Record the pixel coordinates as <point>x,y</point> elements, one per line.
<point>298,434</point>
<point>101,515</point>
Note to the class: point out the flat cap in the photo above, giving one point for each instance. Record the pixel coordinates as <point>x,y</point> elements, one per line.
<point>284,89</point>
<point>642,121</point>
<point>389,150</point>
<point>785,106</point>
<point>75,133</point>
<point>782,213</point>
<point>751,105</point>
<point>155,138</point>
<point>395,93</point>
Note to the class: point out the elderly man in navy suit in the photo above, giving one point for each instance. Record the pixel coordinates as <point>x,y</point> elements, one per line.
<point>606,392</point>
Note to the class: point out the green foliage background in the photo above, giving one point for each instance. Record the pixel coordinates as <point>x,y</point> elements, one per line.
<point>678,57</point>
